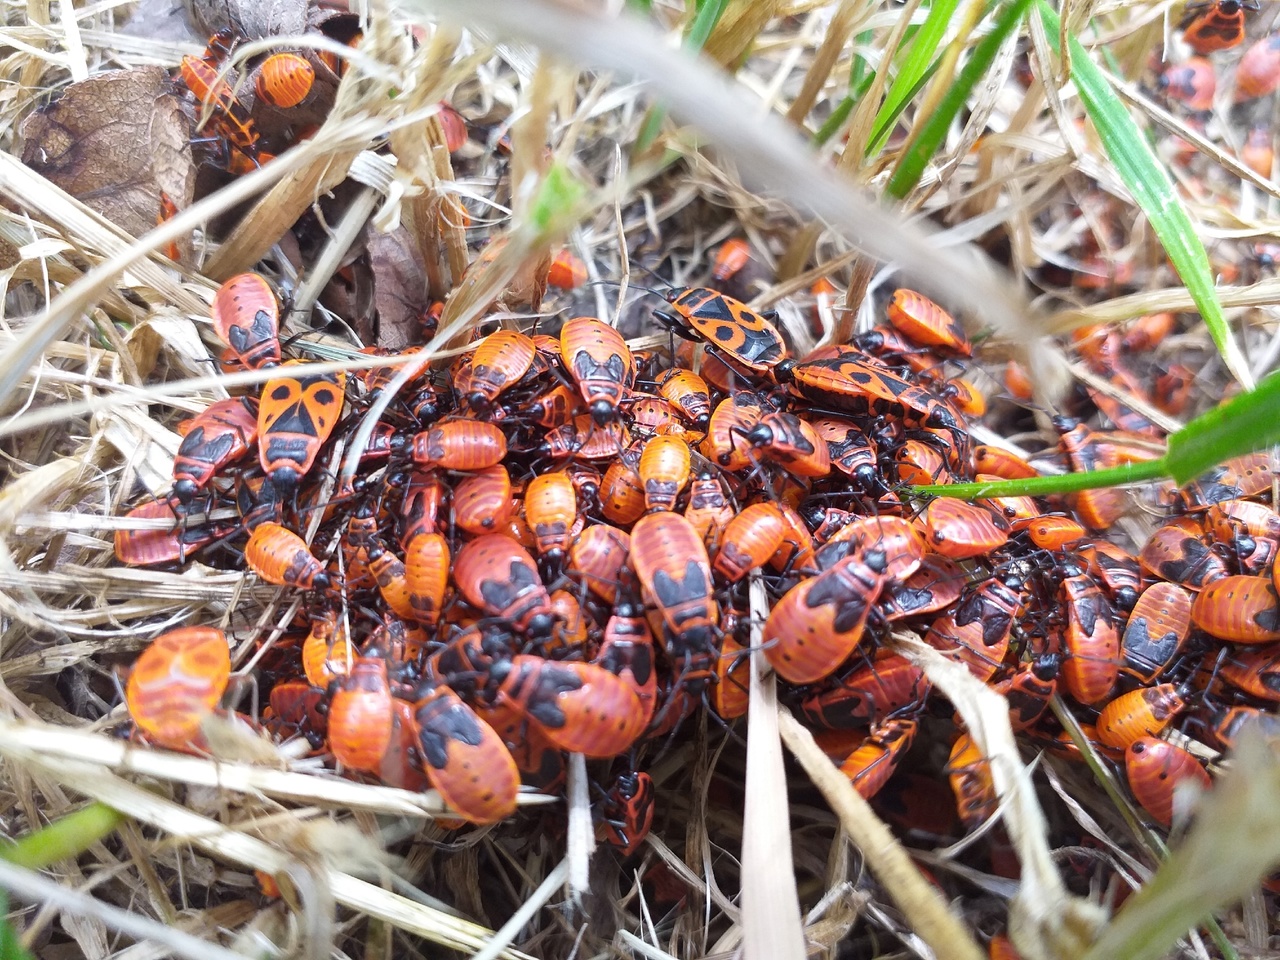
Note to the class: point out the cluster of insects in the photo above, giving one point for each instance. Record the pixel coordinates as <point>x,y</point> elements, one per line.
<point>547,549</point>
<point>248,114</point>
<point>1192,82</point>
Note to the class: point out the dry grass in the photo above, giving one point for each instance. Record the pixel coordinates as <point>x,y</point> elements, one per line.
<point>105,346</point>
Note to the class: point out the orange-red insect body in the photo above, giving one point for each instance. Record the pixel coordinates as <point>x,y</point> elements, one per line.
<point>597,557</point>
<point>627,652</point>
<point>1240,609</point>
<point>1144,712</point>
<point>1030,690</point>
<point>873,763</point>
<point>732,256</point>
<point>296,415</point>
<point>581,707</point>
<point>1155,768</point>
<point>868,694</point>
<point>969,773</point>
<point>567,271</point>
<point>482,500</point>
<point>327,652</point>
<point>460,445</point>
<point>1054,533</point>
<point>498,576</point>
<point>1177,552</point>
<point>176,683</point>
<point>1258,72</point>
<point>1215,25</point>
<point>976,631</point>
<point>960,530</point>
<point>1255,671</point>
<point>463,758</point>
<point>1192,83</point>
<point>600,363</point>
<point>218,436</point>
<point>664,471</point>
<point>689,393</point>
<point>247,319</point>
<point>852,452</point>
<point>285,80</point>
<point>500,360</point>
<point>424,494</point>
<point>791,443</point>
<point>229,117</point>
<point>745,336</point>
<point>749,540</point>
<point>671,563</point>
<point>1093,643</point>
<point>627,812</point>
<point>1156,630</point>
<point>819,622</point>
<point>708,510</point>
<point>1235,479</point>
<point>551,509</point>
<point>923,321</point>
<point>361,715</point>
<point>280,556</point>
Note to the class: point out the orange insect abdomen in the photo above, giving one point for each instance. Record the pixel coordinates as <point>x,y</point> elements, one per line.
<point>1154,768</point>
<point>285,80</point>
<point>482,501</point>
<point>327,651</point>
<point>664,471</point>
<point>1144,712</point>
<point>426,569</point>
<point>464,758</point>
<point>1239,609</point>
<point>597,558</point>
<point>873,763</point>
<point>460,445</point>
<point>280,556</point>
<point>551,507</point>
<point>581,707</point>
<point>819,623</point>
<point>361,716</point>
<point>498,576</point>
<point>923,321</point>
<point>176,683</point>
<point>749,540</point>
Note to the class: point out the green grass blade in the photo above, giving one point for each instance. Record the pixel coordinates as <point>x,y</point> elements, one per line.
<point>1247,422</point>
<point>1154,192</point>
<point>838,116</point>
<point>912,163</point>
<point>10,945</point>
<point>556,203</point>
<point>860,72</point>
<point>704,22</point>
<point>861,77</point>
<point>1243,424</point>
<point>918,60</point>
<point>65,837</point>
<point>885,122</point>
<point>1043,486</point>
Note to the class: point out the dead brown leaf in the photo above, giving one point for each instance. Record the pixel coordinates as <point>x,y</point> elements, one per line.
<point>400,287</point>
<point>254,19</point>
<point>114,142</point>
<point>160,20</point>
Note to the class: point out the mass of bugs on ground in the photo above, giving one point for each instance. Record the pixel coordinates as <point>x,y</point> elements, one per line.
<point>547,545</point>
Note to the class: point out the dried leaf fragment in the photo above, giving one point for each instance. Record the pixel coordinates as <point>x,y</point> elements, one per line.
<point>115,142</point>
